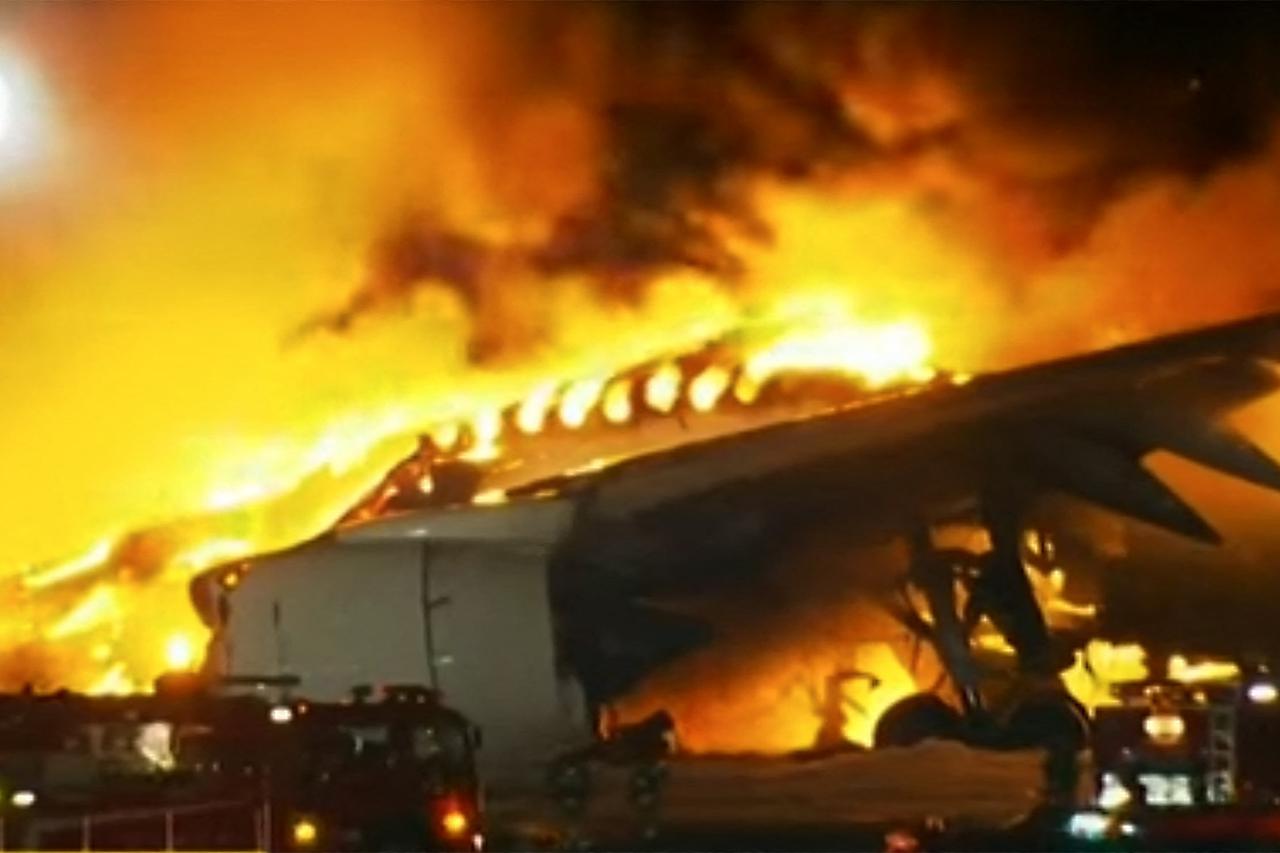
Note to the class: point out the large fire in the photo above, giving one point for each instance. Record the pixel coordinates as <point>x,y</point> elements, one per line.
<point>95,604</point>
<point>253,254</point>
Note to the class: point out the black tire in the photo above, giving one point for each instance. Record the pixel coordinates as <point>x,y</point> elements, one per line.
<point>1059,725</point>
<point>916,718</point>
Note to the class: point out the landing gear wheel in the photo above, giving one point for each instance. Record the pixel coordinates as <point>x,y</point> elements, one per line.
<point>916,718</point>
<point>1059,725</point>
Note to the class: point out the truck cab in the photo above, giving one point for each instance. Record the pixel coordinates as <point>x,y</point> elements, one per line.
<point>196,769</point>
<point>383,774</point>
<point>1189,761</point>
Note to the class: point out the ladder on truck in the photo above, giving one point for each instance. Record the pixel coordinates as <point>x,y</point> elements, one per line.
<point>1220,781</point>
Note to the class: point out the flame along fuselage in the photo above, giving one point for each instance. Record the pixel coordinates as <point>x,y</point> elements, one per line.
<point>560,433</point>
<point>860,452</point>
<point>85,603</point>
<point>717,509</point>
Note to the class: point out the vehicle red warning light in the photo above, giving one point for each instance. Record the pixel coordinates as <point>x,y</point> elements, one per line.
<point>454,822</point>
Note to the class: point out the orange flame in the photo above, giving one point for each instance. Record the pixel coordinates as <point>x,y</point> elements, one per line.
<point>662,390</point>
<point>223,442</point>
<point>869,355</point>
<point>707,387</point>
<point>532,413</point>
<point>200,426</point>
<point>486,432</point>
<point>96,608</point>
<point>617,402</point>
<point>878,354</point>
<point>577,401</point>
<point>70,569</point>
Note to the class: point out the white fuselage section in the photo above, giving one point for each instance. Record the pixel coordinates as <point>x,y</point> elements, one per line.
<point>457,602</point>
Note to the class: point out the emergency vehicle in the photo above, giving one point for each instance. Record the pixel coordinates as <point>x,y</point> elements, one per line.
<point>1185,763</point>
<point>186,769</point>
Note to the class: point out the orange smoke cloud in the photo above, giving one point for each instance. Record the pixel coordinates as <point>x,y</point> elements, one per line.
<point>214,174</point>
<point>1171,252</point>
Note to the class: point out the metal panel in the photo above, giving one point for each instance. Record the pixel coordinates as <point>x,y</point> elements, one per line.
<point>340,614</point>
<point>334,615</point>
<point>495,655</point>
<point>524,520</point>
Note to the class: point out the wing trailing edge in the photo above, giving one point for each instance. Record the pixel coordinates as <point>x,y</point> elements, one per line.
<point>1104,474</point>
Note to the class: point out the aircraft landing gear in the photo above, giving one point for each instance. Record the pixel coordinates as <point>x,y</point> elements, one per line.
<point>1057,723</point>
<point>919,717</point>
<point>1039,721</point>
<point>995,586</point>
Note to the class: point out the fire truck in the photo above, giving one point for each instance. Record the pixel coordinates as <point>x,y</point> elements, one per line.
<point>1187,762</point>
<point>188,769</point>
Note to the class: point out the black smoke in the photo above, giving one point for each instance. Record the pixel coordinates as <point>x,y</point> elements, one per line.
<point>1060,108</point>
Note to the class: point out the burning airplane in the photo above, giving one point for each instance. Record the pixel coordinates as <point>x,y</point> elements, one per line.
<point>716,297</point>
<point>537,603</point>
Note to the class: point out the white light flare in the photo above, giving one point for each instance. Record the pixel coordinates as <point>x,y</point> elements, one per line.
<point>67,570</point>
<point>878,354</point>
<point>24,136</point>
<point>179,653</point>
<point>1263,693</point>
<point>6,107</point>
<point>578,400</point>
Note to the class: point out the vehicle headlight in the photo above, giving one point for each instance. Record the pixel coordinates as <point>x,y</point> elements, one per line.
<point>1263,692</point>
<point>1165,728</point>
<point>1113,793</point>
<point>1089,826</point>
<point>305,832</point>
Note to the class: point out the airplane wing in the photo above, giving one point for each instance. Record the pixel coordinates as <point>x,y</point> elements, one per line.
<point>1079,425</point>
<point>709,513</point>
